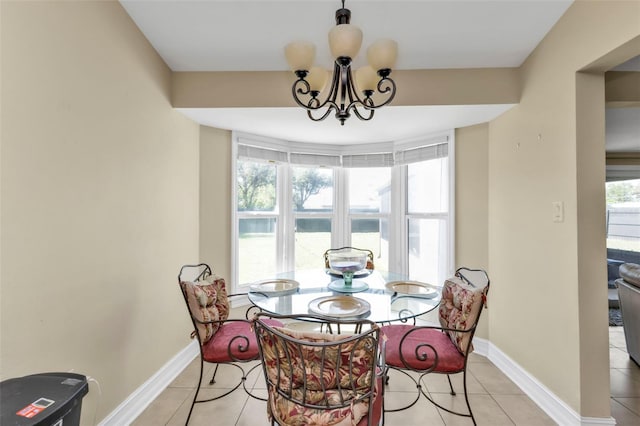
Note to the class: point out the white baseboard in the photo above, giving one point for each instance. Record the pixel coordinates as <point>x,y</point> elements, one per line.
<point>481,347</point>
<point>555,408</point>
<point>135,404</point>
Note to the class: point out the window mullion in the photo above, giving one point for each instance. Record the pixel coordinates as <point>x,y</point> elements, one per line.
<point>451,256</point>
<point>398,239</point>
<point>286,226</point>
<point>341,209</point>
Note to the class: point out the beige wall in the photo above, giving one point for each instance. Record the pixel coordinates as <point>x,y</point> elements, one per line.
<point>215,200</point>
<point>472,204</point>
<point>548,304</point>
<point>100,201</point>
<point>99,190</point>
<point>273,88</point>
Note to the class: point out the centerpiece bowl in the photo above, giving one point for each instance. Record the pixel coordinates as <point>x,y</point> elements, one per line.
<point>347,262</point>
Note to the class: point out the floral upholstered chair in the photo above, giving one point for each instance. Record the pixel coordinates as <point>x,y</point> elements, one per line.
<point>221,340</point>
<point>321,379</point>
<point>444,349</point>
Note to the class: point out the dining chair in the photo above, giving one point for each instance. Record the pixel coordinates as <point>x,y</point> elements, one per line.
<point>444,349</point>
<point>370,265</point>
<point>318,378</point>
<point>222,340</point>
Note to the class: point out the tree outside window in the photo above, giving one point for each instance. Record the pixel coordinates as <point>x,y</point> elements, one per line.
<point>306,183</point>
<point>256,186</point>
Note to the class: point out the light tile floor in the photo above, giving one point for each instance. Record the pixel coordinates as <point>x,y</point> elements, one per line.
<point>625,381</point>
<point>495,399</point>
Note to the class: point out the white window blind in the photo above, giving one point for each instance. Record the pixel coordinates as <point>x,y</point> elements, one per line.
<point>422,153</point>
<point>402,155</point>
<point>315,159</point>
<point>255,153</point>
<point>368,160</point>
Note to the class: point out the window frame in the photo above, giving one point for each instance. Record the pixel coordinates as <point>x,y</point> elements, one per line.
<point>340,229</point>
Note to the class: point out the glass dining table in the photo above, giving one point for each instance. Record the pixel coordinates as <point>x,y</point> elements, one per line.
<point>382,297</point>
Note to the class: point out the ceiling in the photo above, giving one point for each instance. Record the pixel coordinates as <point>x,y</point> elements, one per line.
<point>243,35</point>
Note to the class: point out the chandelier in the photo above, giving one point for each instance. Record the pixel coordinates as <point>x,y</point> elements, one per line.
<point>344,97</point>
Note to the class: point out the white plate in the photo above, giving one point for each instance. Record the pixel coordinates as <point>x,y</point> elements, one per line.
<point>359,274</point>
<point>339,306</point>
<point>412,288</point>
<point>275,287</point>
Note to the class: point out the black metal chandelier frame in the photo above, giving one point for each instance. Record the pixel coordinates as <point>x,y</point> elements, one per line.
<point>343,97</point>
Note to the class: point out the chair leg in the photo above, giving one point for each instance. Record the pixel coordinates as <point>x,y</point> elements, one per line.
<point>213,378</point>
<point>195,397</point>
<point>466,396</point>
<point>385,380</point>
<point>244,383</point>
<point>451,386</point>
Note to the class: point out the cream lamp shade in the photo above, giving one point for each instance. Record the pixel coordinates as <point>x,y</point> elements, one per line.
<point>345,41</point>
<point>382,54</point>
<point>366,78</point>
<point>317,78</point>
<point>300,55</point>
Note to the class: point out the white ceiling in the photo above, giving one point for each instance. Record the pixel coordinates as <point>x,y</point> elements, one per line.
<point>391,123</point>
<point>243,35</point>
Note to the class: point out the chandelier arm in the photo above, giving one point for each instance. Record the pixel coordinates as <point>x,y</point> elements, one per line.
<point>300,86</point>
<point>367,104</point>
<point>335,84</point>
<point>315,105</point>
<point>345,87</point>
<point>386,85</point>
<point>343,82</point>
<point>323,116</point>
<point>353,94</point>
<point>354,107</point>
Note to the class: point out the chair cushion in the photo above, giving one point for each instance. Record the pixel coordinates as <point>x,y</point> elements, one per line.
<point>207,301</point>
<point>287,412</point>
<point>377,405</point>
<point>315,367</point>
<point>450,360</point>
<point>309,365</point>
<point>239,335</point>
<point>459,309</point>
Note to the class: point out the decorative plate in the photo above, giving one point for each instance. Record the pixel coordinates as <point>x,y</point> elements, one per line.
<point>275,287</point>
<point>339,306</point>
<point>359,274</point>
<point>412,288</point>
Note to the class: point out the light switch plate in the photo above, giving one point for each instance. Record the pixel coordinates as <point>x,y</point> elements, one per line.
<point>558,211</point>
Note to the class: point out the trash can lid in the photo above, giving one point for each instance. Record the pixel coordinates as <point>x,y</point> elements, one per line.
<point>36,398</point>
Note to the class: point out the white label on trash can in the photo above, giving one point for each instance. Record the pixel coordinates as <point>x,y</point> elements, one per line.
<point>35,407</point>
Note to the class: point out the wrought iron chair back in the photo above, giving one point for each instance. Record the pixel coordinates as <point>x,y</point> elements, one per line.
<point>312,375</point>
<point>444,349</point>
<point>222,340</point>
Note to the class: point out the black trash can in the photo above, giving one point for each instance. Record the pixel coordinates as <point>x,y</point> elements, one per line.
<point>46,399</point>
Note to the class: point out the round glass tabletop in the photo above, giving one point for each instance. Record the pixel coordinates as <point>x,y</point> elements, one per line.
<point>321,292</point>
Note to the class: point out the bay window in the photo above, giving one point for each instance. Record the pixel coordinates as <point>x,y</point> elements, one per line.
<point>293,201</point>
